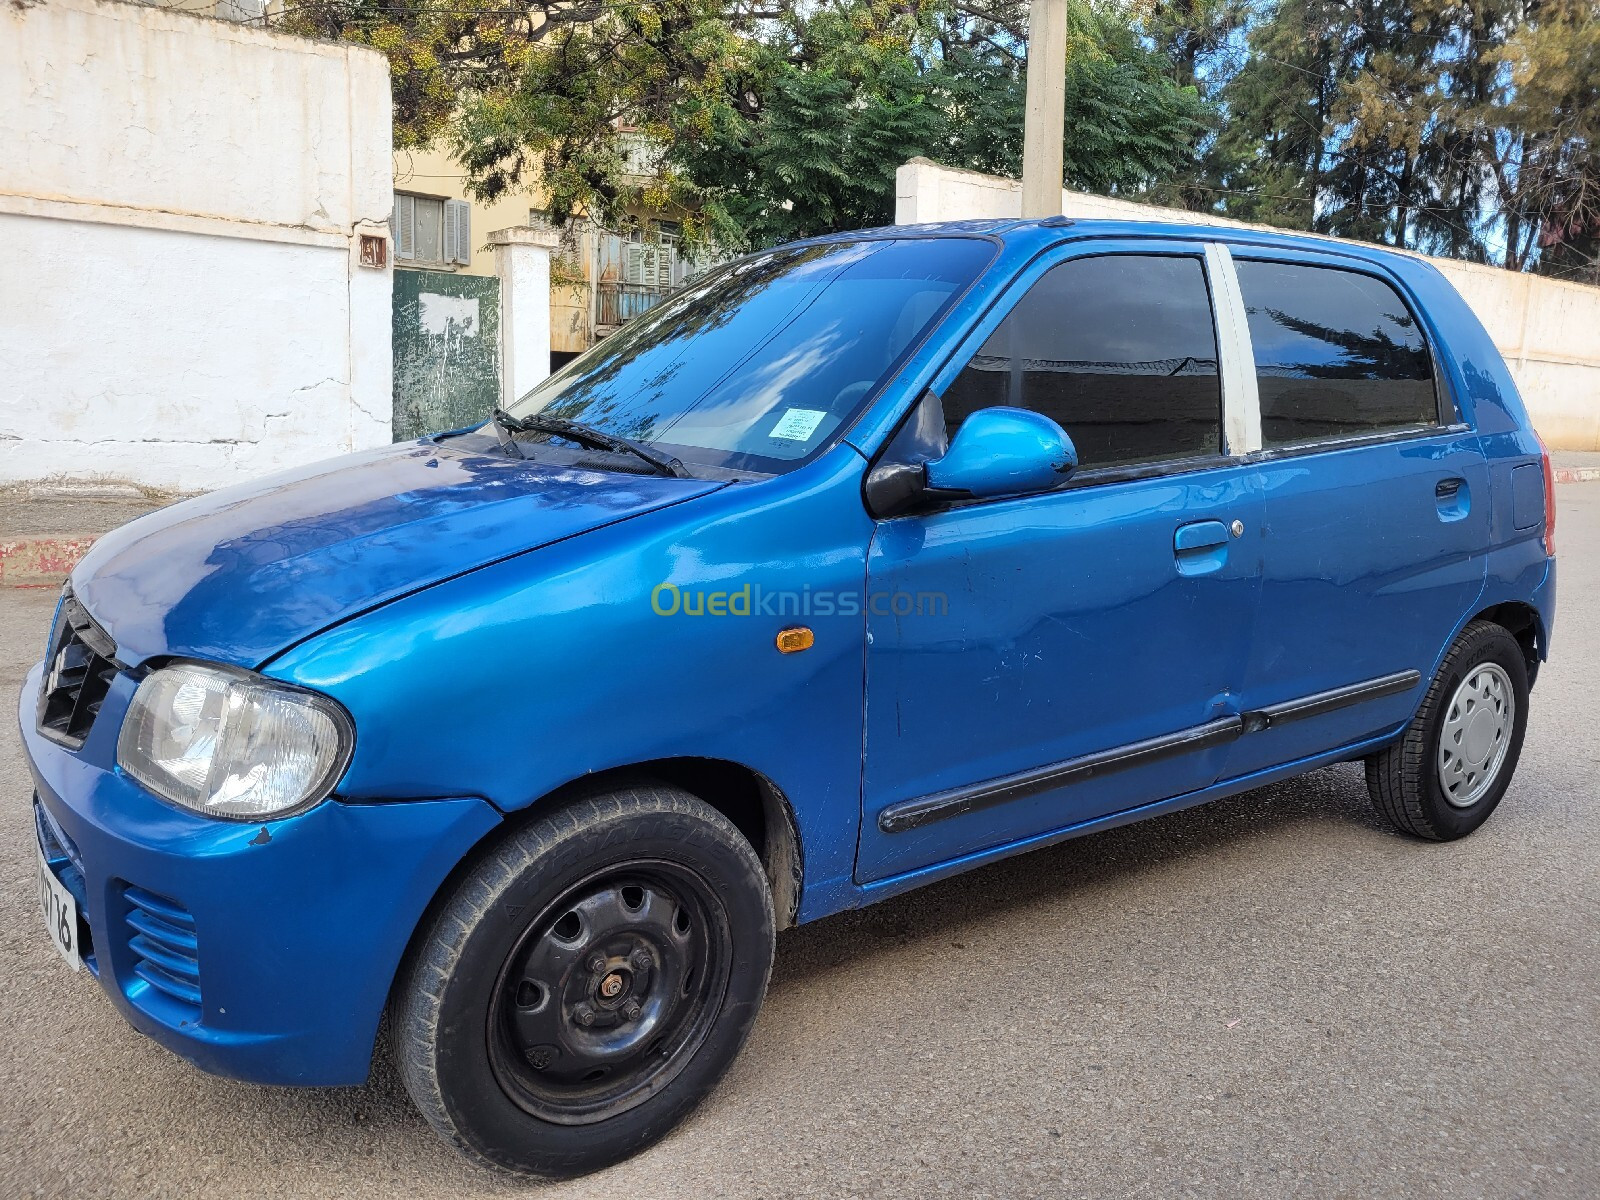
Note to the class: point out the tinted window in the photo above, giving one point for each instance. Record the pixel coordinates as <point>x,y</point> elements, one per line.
<point>1337,353</point>
<point>1120,351</point>
<point>759,365</point>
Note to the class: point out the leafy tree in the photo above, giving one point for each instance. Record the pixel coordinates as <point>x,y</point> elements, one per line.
<point>846,94</point>
<point>562,92</point>
<point>1201,44</point>
<point>775,122</point>
<point>1537,130</point>
<point>1129,124</point>
<point>1468,131</point>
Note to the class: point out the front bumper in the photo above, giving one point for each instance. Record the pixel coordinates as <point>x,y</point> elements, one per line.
<point>290,931</point>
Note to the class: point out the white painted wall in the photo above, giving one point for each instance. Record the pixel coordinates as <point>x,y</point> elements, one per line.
<point>181,203</point>
<point>1547,330</point>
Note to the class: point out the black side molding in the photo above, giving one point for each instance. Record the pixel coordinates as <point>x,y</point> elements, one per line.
<point>912,814</point>
<point>1318,703</point>
<point>956,802</point>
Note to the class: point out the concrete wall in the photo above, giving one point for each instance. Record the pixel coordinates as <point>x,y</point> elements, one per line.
<point>182,200</point>
<point>1548,331</point>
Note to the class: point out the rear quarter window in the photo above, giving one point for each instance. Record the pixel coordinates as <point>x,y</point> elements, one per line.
<point>1338,354</point>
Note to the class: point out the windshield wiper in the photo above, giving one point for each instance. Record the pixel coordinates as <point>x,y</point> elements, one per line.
<point>585,435</point>
<point>504,423</point>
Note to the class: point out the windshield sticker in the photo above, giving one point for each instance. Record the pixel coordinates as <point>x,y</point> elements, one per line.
<point>797,424</point>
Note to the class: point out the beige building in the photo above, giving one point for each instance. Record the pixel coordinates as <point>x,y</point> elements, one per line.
<point>600,278</point>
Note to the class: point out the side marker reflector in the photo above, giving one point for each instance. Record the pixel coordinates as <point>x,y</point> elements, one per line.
<point>795,639</point>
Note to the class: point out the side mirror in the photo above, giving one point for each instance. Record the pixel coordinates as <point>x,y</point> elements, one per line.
<point>1003,452</point>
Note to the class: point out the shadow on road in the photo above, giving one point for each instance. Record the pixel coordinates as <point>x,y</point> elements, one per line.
<point>1005,889</point>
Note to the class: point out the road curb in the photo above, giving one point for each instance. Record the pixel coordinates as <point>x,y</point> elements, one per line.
<point>41,561</point>
<point>47,559</point>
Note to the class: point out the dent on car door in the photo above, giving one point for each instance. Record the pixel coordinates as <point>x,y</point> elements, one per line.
<point>1040,661</point>
<point>1376,509</point>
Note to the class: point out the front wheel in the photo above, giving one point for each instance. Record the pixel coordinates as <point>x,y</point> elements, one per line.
<point>1452,765</point>
<point>588,983</point>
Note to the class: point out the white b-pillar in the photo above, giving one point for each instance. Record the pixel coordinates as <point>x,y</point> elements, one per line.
<point>522,260</point>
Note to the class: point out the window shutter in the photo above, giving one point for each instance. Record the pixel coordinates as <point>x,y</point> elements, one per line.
<point>648,265</point>
<point>405,226</point>
<point>458,232</point>
<point>452,219</point>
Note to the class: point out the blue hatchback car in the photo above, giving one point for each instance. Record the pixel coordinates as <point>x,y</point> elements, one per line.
<point>857,563</point>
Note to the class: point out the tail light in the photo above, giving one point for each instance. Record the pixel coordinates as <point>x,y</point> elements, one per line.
<point>1549,500</point>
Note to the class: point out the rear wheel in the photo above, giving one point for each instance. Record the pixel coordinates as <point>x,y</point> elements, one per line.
<point>1452,765</point>
<point>588,983</point>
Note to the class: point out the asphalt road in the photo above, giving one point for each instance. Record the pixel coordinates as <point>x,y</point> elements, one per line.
<point>1273,995</point>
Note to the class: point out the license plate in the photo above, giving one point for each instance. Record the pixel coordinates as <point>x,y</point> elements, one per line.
<point>60,914</point>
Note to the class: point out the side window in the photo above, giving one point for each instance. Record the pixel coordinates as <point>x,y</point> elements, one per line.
<point>1119,350</point>
<point>1338,354</point>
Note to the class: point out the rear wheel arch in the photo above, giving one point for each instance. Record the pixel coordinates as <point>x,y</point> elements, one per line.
<point>1413,781</point>
<point>1523,622</point>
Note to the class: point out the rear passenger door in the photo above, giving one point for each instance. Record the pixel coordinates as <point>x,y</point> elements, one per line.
<point>1376,507</point>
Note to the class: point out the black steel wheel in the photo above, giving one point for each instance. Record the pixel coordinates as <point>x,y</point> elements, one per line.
<point>587,983</point>
<point>609,992</point>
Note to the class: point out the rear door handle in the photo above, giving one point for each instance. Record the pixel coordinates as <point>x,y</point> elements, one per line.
<point>1200,547</point>
<point>1453,497</point>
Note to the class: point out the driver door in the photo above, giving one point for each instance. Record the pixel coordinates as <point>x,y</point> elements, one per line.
<point>1042,661</point>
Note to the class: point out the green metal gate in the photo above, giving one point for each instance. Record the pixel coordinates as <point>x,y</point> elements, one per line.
<point>446,351</point>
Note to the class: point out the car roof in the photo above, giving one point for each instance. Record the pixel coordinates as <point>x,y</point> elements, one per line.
<point>1041,232</point>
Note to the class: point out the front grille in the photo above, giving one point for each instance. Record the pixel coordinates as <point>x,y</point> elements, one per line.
<point>166,954</point>
<point>79,668</point>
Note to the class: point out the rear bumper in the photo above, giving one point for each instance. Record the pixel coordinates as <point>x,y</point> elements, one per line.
<point>1544,599</point>
<point>1535,586</point>
<point>298,925</point>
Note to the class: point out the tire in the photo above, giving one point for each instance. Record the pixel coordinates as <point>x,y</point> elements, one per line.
<point>1442,797</point>
<point>587,984</point>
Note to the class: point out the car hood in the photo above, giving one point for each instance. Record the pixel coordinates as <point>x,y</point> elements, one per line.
<point>241,574</point>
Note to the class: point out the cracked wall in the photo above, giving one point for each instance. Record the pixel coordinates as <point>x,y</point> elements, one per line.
<point>182,303</point>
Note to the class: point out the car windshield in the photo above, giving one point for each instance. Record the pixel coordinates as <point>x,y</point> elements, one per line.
<point>758,365</point>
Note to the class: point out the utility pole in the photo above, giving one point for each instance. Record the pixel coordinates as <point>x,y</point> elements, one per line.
<point>1044,128</point>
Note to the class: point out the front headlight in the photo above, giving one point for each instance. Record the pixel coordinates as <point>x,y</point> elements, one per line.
<point>229,744</point>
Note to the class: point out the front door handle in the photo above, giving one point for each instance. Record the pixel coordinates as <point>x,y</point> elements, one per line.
<point>1200,547</point>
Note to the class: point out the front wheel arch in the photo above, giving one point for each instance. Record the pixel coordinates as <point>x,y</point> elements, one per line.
<point>611,841</point>
<point>758,808</point>
<point>751,801</point>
